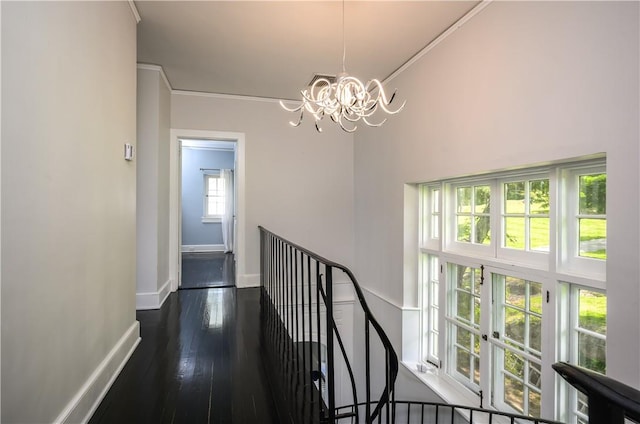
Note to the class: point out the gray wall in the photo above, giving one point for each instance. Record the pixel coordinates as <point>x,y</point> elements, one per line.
<point>520,83</point>
<point>298,183</point>
<point>68,205</point>
<point>194,231</point>
<point>152,205</point>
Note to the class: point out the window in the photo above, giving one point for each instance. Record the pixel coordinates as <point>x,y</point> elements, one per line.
<point>430,274</point>
<point>591,217</point>
<point>213,198</point>
<point>431,310</point>
<point>514,253</point>
<point>525,217</point>
<point>518,328</point>
<point>587,343</point>
<point>464,324</point>
<point>585,235</point>
<point>473,224</point>
<point>430,223</point>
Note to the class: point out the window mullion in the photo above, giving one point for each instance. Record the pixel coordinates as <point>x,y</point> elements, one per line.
<point>549,329</point>
<point>485,329</point>
<point>445,287</point>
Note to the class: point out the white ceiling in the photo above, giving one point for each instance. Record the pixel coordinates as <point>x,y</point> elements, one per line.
<point>273,48</point>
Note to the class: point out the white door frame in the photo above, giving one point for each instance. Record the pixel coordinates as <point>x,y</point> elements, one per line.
<point>175,200</point>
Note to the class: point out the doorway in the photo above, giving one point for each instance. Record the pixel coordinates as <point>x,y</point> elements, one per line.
<point>207,213</point>
<point>200,163</point>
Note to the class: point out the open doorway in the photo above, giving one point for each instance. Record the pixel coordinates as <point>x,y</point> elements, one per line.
<point>207,213</point>
<point>207,184</point>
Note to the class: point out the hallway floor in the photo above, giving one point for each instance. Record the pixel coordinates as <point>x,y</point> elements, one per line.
<point>207,269</point>
<point>199,361</point>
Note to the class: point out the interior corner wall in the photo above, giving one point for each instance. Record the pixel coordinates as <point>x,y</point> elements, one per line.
<point>68,206</point>
<point>163,190</point>
<point>152,205</point>
<point>298,182</point>
<point>520,83</point>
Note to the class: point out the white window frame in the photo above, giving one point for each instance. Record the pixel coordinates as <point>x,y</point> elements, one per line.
<point>431,216</point>
<point>430,239</point>
<point>447,345</point>
<point>568,348</point>
<point>553,269</point>
<point>533,258</point>
<point>450,226</point>
<point>570,261</point>
<point>499,343</point>
<point>206,216</point>
<point>430,313</point>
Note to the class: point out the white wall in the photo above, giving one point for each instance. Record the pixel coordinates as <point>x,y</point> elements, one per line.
<point>521,83</point>
<point>153,107</point>
<point>298,183</point>
<point>68,205</point>
<point>163,185</point>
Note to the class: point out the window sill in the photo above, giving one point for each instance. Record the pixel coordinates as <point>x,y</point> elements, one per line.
<point>206,220</point>
<point>449,390</point>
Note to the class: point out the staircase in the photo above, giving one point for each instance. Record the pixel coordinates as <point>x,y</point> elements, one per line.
<point>315,377</point>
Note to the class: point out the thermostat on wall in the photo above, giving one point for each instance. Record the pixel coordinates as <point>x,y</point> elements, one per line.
<point>129,151</point>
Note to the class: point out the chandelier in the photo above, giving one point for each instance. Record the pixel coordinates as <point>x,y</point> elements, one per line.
<point>347,100</point>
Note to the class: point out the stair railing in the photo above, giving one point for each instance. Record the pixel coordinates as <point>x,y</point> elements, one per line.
<point>609,400</point>
<point>301,337</point>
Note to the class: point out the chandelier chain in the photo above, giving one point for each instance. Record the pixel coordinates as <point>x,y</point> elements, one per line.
<point>344,42</point>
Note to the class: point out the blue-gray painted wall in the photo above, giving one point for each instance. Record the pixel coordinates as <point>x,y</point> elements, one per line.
<point>194,231</point>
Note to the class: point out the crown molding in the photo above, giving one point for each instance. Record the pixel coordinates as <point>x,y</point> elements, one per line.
<point>453,28</point>
<point>149,67</point>
<point>134,10</point>
<point>225,96</point>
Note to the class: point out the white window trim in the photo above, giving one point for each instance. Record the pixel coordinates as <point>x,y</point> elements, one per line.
<point>208,219</point>
<point>574,264</point>
<point>550,269</point>
<point>568,347</point>
<point>449,227</point>
<point>449,320</point>
<point>427,238</point>
<point>426,325</point>
<point>531,258</point>
<point>547,354</point>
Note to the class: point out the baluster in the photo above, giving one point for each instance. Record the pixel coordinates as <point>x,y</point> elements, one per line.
<point>318,335</point>
<point>330,330</point>
<point>367,369</point>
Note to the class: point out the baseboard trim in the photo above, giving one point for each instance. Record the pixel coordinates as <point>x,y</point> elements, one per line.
<point>164,292</point>
<point>153,300</point>
<point>196,248</point>
<point>86,401</point>
<point>248,280</point>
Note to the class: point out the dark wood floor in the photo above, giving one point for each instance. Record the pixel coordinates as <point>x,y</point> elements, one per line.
<point>210,269</point>
<point>199,362</point>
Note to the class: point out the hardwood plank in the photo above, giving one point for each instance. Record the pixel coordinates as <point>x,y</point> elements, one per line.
<point>212,269</point>
<point>199,361</point>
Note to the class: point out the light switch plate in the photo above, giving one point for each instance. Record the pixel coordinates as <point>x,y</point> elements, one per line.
<point>129,151</point>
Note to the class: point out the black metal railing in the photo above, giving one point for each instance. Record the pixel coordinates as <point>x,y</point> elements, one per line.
<point>314,373</point>
<point>308,360</point>
<point>413,412</point>
<point>609,401</point>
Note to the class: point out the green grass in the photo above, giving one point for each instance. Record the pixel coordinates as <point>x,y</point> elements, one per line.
<point>539,233</point>
<point>590,229</point>
<point>593,312</point>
